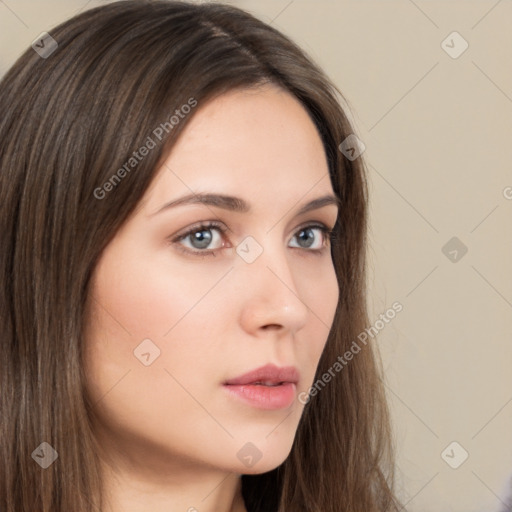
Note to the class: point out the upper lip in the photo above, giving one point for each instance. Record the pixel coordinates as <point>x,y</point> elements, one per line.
<point>269,373</point>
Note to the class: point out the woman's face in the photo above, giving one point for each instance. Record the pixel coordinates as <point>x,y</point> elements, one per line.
<point>171,321</point>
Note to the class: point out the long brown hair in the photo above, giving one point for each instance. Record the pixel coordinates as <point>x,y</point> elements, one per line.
<point>71,118</point>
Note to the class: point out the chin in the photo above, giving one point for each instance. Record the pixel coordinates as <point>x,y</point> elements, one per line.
<point>256,461</point>
<point>262,467</point>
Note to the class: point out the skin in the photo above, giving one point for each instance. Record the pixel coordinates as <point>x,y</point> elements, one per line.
<point>169,431</point>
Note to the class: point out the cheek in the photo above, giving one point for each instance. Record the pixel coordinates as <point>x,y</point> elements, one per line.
<point>322,302</point>
<point>328,295</point>
<point>323,298</point>
<point>148,313</point>
<point>138,310</point>
<point>143,297</point>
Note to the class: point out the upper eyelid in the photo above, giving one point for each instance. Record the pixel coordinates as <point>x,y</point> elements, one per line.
<point>222,227</point>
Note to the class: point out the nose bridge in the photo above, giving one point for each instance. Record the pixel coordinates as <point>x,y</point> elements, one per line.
<point>270,283</point>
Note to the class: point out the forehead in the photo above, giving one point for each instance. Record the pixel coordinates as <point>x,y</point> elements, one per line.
<point>250,143</point>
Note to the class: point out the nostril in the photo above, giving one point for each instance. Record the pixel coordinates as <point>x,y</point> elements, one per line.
<point>272,326</point>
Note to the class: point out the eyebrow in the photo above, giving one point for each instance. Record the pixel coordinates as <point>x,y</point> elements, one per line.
<point>239,205</point>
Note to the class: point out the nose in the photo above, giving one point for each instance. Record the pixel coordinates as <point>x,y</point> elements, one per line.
<point>270,297</point>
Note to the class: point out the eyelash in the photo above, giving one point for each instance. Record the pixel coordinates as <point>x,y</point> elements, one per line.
<point>214,225</point>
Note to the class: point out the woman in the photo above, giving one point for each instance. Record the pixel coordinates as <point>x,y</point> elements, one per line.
<point>183,261</point>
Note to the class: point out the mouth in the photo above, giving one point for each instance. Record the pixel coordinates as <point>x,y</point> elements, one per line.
<point>268,387</point>
<point>268,383</point>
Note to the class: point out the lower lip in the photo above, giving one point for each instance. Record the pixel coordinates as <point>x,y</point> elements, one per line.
<point>264,397</point>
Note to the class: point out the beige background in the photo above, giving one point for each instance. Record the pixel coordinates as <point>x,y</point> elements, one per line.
<point>437,132</point>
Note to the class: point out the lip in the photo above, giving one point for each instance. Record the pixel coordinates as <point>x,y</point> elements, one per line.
<point>268,387</point>
<point>268,373</point>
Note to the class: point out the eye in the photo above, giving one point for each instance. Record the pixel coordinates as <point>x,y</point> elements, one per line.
<point>307,238</point>
<point>200,238</point>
